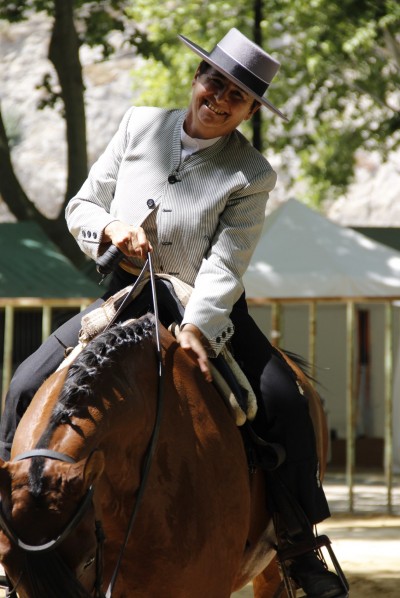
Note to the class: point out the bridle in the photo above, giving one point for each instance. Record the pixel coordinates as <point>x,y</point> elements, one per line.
<point>87,499</point>
<point>83,506</point>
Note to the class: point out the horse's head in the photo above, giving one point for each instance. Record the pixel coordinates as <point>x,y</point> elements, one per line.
<point>49,540</point>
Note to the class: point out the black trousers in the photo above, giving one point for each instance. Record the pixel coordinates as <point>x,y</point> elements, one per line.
<point>283,416</point>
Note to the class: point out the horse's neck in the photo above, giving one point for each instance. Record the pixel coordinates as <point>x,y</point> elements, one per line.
<point>36,418</point>
<point>119,417</point>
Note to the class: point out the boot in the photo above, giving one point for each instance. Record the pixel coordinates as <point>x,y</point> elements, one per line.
<point>311,574</point>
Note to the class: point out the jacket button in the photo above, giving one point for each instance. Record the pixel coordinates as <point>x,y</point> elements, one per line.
<point>151,203</point>
<point>218,340</point>
<point>172,179</point>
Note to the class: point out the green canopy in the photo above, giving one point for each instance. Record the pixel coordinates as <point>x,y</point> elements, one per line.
<point>32,266</point>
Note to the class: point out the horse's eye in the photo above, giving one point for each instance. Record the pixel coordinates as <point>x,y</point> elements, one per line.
<point>89,562</point>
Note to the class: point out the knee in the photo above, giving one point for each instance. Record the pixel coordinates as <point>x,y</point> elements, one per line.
<point>280,392</point>
<point>22,387</point>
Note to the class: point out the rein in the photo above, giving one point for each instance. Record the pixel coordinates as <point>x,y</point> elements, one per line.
<point>156,429</point>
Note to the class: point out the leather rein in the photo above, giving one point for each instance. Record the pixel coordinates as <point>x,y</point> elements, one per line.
<point>87,500</point>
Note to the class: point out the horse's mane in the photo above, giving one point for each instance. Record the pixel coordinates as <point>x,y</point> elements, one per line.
<point>100,354</point>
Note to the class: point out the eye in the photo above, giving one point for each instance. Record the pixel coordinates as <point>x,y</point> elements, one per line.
<point>214,82</point>
<point>89,562</point>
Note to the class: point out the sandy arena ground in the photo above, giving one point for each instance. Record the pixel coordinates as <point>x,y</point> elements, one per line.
<point>366,542</point>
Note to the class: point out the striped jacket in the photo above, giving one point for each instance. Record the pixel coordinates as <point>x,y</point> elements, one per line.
<point>206,212</point>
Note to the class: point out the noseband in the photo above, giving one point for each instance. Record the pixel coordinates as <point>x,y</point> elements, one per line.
<point>71,525</point>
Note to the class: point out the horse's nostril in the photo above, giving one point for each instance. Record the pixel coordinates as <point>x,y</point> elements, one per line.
<point>89,562</point>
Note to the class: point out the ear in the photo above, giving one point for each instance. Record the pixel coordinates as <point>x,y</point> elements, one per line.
<point>196,75</point>
<point>253,110</point>
<point>93,467</point>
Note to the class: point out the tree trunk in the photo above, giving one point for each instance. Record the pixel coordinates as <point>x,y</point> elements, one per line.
<point>10,189</point>
<point>23,209</point>
<point>64,54</point>
<point>257,36</point>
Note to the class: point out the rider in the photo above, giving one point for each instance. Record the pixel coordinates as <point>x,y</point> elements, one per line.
<point>187,185</point>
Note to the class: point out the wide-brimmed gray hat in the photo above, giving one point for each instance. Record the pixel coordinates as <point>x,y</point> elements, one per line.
<point>244,63</point>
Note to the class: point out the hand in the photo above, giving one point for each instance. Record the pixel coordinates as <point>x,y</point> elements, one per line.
<point>130,240</point>
<point>189,339</point>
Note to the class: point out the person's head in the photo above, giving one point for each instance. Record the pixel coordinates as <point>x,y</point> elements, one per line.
<point>217,106</point>
<point>229,85</point>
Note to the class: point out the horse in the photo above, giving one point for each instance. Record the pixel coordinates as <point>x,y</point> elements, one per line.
<point>120,480</point>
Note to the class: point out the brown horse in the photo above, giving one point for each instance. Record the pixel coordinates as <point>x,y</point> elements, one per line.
<point>86,453</point>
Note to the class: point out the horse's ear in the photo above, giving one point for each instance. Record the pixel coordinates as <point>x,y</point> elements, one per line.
<point>93,467</point>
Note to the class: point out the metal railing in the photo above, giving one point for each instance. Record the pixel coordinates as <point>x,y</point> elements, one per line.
<point>10,305</point>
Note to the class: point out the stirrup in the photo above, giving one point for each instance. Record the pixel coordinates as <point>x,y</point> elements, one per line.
<point>290,552</point>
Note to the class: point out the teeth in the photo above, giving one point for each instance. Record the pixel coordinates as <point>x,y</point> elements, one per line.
<point>214,109</point>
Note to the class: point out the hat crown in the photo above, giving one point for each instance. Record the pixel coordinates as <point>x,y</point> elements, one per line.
<point>249,55</point>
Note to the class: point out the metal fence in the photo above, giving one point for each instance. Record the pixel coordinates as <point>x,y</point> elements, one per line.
<point>24,324</point>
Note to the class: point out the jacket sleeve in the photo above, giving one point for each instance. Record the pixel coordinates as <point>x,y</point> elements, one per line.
<point>219,283</point>
<point>88,213</point>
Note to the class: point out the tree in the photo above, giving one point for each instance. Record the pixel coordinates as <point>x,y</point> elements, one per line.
<point>339,81</point>
<point>166,76</point>
<point>74,21</point>
<point>342,63</point>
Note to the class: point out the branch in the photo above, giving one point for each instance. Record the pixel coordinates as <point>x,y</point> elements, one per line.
<point>392,46</point>
<point>10,189</point>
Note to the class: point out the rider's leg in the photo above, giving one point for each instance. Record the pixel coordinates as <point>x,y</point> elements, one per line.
<point>284,418</point>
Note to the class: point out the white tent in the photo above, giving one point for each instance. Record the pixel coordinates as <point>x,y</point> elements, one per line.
<point>303,257</point>
<point>303,254</point>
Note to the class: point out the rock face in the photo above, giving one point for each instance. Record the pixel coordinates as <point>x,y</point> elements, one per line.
<point>39,157</point>
<point>374,198</point>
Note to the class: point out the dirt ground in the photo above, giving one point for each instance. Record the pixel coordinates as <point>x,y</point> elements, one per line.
<point>368,549</point>
<point>366,541</point>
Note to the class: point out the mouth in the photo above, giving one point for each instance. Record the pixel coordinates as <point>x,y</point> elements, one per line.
<point>215,109</point>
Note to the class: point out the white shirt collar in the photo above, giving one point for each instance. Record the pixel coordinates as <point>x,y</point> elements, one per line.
<point>192,144</point>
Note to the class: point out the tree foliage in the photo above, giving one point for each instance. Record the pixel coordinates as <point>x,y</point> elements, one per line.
<point>339,79</point>
<point>74,22</point>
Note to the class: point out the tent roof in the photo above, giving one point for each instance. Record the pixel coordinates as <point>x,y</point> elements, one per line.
<point>32,266</point>
<point>302,254</point>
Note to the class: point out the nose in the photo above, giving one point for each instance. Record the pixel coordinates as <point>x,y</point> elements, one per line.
<point>220,93</point>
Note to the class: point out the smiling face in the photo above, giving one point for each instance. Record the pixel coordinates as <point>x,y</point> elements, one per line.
<point>217,106</point>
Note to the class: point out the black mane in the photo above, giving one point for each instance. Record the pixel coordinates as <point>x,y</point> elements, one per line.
<point>101,353</point>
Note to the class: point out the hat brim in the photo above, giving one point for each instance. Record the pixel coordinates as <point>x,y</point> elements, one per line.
<point>206,56</point>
